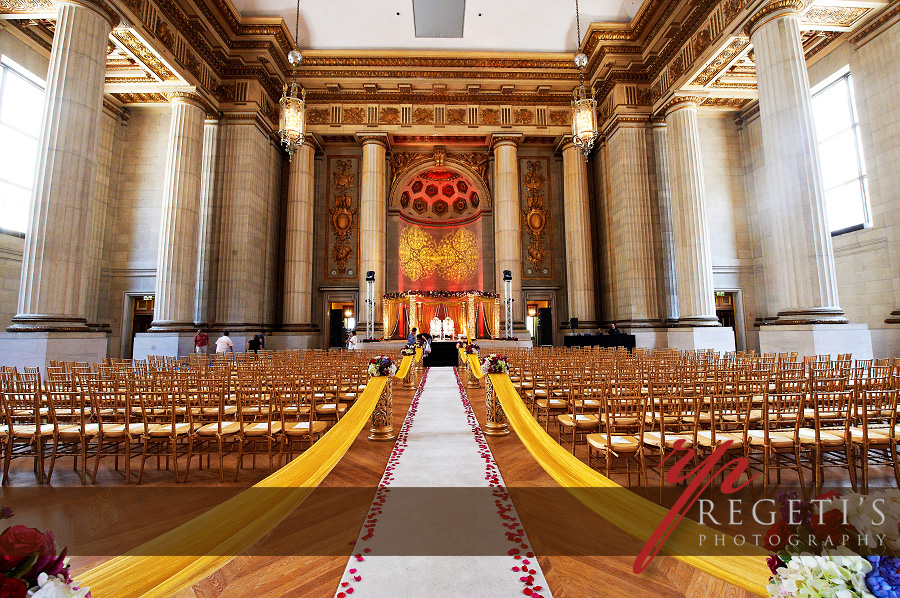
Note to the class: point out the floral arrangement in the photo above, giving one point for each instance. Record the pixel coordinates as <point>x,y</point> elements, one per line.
<point>408,350</point>
<point>836,546</point>
<point>382,366</point>
<point>442,294</point>
<point>30,566</point>
<point>460,344</point>
<point>495,364</point>
<point>471,348</point>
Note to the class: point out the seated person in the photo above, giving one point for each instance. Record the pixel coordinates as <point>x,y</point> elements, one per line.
<point>613,330</point>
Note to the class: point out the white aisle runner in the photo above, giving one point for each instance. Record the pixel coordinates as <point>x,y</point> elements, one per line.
<point>440,502</point>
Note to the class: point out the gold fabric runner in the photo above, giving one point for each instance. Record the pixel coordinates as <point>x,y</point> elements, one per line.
<point>475,364</point>
<point>638,516</point>
<point>229,529</point>
<point>404,367</point>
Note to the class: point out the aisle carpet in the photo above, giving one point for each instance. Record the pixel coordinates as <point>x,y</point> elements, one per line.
<point>442,522</point>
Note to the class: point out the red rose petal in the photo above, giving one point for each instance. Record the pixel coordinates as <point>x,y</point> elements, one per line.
<point>349,590</point>
<point>516,569</point>
<point>357,578</point>
<point>526,591</point>
<point>352,570</point>
<point>341,595</point>
<point>367,550</point>
<point>344,584</point>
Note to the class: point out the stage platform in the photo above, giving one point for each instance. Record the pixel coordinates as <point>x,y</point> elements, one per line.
<point>487,345</point>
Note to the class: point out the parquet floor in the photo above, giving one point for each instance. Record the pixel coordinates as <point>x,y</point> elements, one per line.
<point>306,554</point>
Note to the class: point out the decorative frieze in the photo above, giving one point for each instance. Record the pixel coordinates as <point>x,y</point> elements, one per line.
<point>343,209</point>
<point>536,217</point>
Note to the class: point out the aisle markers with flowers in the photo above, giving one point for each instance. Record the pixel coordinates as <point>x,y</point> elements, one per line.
<point>382,365</point>
<point>836,546</point>
<point>495,364</point>
<point>408,350</point>
<point>471,348</point>
<point>30,566</point>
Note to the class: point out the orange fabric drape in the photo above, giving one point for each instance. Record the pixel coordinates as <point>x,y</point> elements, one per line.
<point>490,312</point>
<point>391,317</point>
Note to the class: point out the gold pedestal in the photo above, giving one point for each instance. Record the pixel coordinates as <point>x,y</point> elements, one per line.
<point>409,381</point>
<point>496,424</point>
<point>472,381</point>
<point>383,416</point>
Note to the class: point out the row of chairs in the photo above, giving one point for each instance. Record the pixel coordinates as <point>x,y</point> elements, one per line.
<point>272,404</point>
<point>777,411</point>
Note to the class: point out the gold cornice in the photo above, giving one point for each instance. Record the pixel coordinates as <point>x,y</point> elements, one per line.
<point>681,102</point>
<point>784,7</point>
<point>27,6</point>
<point>488,73</point>
<point>379,138</point>
<point>875,24</point>
<point>143,54</point>
<point>616,122</point>
<point>189,98</point>
<point>319,97</point>
<point>505,139</point>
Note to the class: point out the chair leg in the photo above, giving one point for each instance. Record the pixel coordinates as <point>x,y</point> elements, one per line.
<point>97,460</point>
<point>143,459</point>
<point>53,457</point>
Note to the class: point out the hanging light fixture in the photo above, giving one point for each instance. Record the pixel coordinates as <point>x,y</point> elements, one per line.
<point>292,124</point>
<point>584,106</point>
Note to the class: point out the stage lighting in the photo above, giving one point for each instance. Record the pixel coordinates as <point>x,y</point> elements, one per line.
<point>370,276</point>
<point>507,275</point>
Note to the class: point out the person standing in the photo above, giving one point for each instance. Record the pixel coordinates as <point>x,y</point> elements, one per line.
<point>262,341</point>
<point>254,344</point>
<point>201,342</point>
<point>411,339</point>
<point>352,341</point>
<point>224,344</point>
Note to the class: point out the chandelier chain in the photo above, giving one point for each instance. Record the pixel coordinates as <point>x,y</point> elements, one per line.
<point>297,27</point>
<point>577,24</point>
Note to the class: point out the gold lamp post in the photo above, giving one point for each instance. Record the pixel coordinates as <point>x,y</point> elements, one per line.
<point>584,106</point>
<point>292,123</point>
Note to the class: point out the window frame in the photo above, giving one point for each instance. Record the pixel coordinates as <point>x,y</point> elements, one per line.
<point>843,77</point>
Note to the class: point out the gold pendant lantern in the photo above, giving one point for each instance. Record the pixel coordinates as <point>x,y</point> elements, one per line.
<point>584,106</point>
<point>292,123</point>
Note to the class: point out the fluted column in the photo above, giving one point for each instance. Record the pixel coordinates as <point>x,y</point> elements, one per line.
<point>207,209</point>
<point>176,265</point>
<point>99,206</point>
<point>631,226</point>
<point>579,253</point>
<point>52,290</point>
<point>372,220</point>
<point>693,258</point>
<point>664,198</point>
<point>508,220</point>
<point>801,256</point>
<point>298,253</point>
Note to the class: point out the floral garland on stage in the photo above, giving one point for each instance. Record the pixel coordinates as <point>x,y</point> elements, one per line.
<point>382,366</point>
<point>442,294</point>
<point>30,566</point>
<point>836,546</point>
<point>495,364</point>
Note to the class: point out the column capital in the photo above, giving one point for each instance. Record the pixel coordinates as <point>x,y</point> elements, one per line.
<point>188,97</point>
<point>98,6</point>
<point>565,142</point>
<point>772,10</point>
<point>374,137</point>
<point>680,103</point>
<point>498,139</point>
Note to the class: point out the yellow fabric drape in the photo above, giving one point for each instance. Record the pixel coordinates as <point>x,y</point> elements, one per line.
<point>475,365</point>
<point>490,313</point>
<point>217,536</point>
<point>419,354</point>
<point>391,316</point>
<point>456,314</point>
<point>462,355</point>
<point>404,367</point>
<point>639,517</point>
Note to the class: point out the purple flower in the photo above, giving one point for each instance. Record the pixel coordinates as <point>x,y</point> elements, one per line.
<point>6,513</point>
<point>884,578</point>
<point>790,501</point>
<point>774,564</point>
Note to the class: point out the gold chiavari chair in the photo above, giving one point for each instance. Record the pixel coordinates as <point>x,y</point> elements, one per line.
<point>166,432</point>
<point>827,441</point>
<point>576,423</point>
<point>622,417</point>
<point>258,432</point>
<point>214,426</point>
<point>118,430</point>
<point>299,424</point>
<point>74,418</point>
<point>873,438</point>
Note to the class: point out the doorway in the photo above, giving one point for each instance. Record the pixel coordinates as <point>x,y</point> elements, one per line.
<point>539,321</point>
<point>141,318</point>
<point>725,304</point>
<point>341,321</point>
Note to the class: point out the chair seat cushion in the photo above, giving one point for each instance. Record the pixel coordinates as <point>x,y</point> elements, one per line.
<point>163,430</point>
<point>778,440</point>
<point>302,428</point>
<point>554,403</point>
<point>326,408</point>
<point>704,438</point>
<point>261,429</point>
<point>808,436</point>
<point>75,430</point>
<point>118,430</point>
<point>212,429</point>
<point>876,435</point>
<point>655,439</point>
<point>581,420</point>
<point>618,444</point>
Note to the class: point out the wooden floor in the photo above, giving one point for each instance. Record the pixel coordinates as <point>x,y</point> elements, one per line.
<point>105,518</point>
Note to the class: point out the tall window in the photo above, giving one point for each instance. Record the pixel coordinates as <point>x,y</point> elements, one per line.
<point>840,156</point>
<point>21,102</point>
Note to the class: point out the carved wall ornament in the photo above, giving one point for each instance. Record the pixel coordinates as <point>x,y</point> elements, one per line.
<point>423,116</point>
<point>440,154</point>
<point>389,116</point>
<point>731,8</point>
<point>456,116</point>
<point>134,5</point>
<point>142,53</point>
<point>477,162</point>
<point>559,117</point>
<point>840,16</point>
<point>403,161</point>
<point>165,35</point>
<point>354,116</point>
<point>536,215</point>
<point>343,213</point>
<point>27,6</point>
<point>490,116</point>
<point>721,61</point>
<point>701,42</point>
<point>736,103</point>
<point>318,116</point>
<point>523,116</point>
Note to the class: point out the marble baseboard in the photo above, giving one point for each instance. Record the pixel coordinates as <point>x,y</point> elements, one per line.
<point>817,339</point>
<point>38,349</point>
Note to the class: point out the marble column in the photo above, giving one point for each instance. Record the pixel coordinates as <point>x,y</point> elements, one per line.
<point>372,224</point>
<point>298,250</point>
<point>579,245</point>
<point>176,268</point>
<point>50,323</point>
<point>800,262</point>
<point>52,291</point>
<point>693,258</point>
<point>508,222</point>
<point>631,227</point>
<point>206,230</point>
<point>664,199</point>
<point>806,289</point>
<point>99,209</point>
